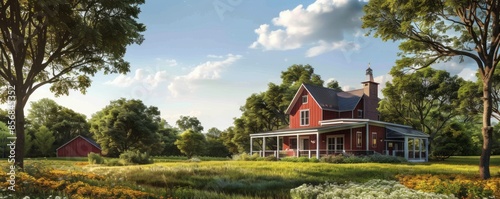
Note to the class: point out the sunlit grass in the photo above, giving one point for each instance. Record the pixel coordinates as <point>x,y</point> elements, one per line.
<point>249,179</point>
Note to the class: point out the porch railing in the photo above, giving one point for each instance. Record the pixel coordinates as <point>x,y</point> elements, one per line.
<point>310,153</point>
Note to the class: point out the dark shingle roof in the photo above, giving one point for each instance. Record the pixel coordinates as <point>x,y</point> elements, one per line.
<point>91,141</point>
<point>329,99</point>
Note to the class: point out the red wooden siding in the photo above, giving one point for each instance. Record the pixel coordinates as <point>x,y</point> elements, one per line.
<point>315,112</point>
<point>79,147</point>
<point>359,107</point>
<point>380,138</point>
<point>346,114</point>
<point>328,115</point>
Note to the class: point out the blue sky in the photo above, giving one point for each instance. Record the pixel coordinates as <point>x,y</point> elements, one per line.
<point>203,58</point>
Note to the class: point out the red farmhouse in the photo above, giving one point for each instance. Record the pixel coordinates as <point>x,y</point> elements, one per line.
<point>78,147</point>
<point>324,121</point>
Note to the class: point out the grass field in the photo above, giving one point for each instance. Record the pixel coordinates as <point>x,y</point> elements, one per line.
<point>219,178</point>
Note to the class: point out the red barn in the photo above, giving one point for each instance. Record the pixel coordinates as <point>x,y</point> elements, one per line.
<point>324,121</point>
<point>78,147</point>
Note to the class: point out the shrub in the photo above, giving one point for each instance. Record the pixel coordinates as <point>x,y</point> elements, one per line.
<point>271,158</point>
<point>114,162</point>
<point>333,159</point>
<point>136,157</point>
<point>355,159</point>
<point>290,159</point>
<point>303,159</point>
<point>379,158</point>
<point>313,160</point>
<point>95,158</point>
<point>194,159</point>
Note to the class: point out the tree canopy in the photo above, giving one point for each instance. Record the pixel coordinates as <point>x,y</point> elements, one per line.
<point>126,125</point>
<point>431,31</point>
<point>62,43</point>
<point>265,111</point>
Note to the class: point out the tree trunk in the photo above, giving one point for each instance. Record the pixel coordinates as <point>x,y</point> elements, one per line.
<point>19,159</point>
<point>487,130</point>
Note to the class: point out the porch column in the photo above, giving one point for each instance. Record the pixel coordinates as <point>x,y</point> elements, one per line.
<point>413,148</point>
<point>263,147</point>
<point>351,138</point>
<point>427,149</point>
<point>278,147</point>
<point>298,144</point>
<point>317,145</point>
<point>251,145</point>
<point>367,138</point>
<point>405,147</point>
<point>420,148</point>
<point>386,150</point>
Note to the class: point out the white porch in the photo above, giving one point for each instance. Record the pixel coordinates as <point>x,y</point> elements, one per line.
<point>399,141</point>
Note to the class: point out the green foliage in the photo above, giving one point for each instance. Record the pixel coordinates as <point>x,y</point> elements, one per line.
<point>44,139</point>
<point>303,159</point>
<point>215,144</point>
<point>265,111</point>
<point>434,31</point>
<point>4,133</point>
<point>95,158</point>
<point>186,122</point>
<point>168,136</point>
<point>333,84</point>
<point>54,43</point>
<point>332,158</point>
<point>114,162</point>
<point>136,157</point>
<point>191,143</point>
<point>63,122</point>
<point>126,125</point>
<point>452,141</point>
<point>290,159</point>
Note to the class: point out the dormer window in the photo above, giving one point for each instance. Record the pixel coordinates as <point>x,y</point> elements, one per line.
<point>360,113</point>
<point>304,118</point>
<point>304,99</point>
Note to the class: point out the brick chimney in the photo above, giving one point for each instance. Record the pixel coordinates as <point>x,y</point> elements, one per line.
<point>370,88</point>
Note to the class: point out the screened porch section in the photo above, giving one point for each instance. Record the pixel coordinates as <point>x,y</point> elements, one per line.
<point>411,144</point>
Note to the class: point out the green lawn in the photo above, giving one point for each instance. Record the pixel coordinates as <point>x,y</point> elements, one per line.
<point>260,179</point>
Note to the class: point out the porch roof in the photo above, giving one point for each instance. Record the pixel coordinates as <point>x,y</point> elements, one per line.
<point>398,132</point>
<point>308,131</point>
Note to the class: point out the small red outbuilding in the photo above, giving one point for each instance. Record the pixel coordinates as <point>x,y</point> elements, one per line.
<point>78,147</point>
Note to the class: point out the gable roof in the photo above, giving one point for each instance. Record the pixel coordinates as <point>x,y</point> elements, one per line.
<point>89,140</point>
<point>329,99</point>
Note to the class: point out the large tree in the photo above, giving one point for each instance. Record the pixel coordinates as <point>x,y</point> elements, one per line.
<point>126,125</point>
<point>187,122</point>
<point>62,43</point>
<point>426,100</point>
<point>265,111</point>
<point>437,30</point>
<point>63,122</point>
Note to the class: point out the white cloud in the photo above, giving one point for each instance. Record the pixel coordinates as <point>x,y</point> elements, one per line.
<point>468,74</point>
<point>140,77</point>
<point>324,47</point>
<point>210,70</point>
<point>167,62</point>
<point>322,25</point>
<point>215,56</point>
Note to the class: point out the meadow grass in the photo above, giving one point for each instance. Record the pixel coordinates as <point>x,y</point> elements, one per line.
<point>251,179</point>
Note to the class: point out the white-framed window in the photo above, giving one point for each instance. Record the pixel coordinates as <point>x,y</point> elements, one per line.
<point>304,99</point>
<point>374,139</point>
<point>360,113</point>
<point>304,118</point>
<point>359,139</point>
<point>335,143</point>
